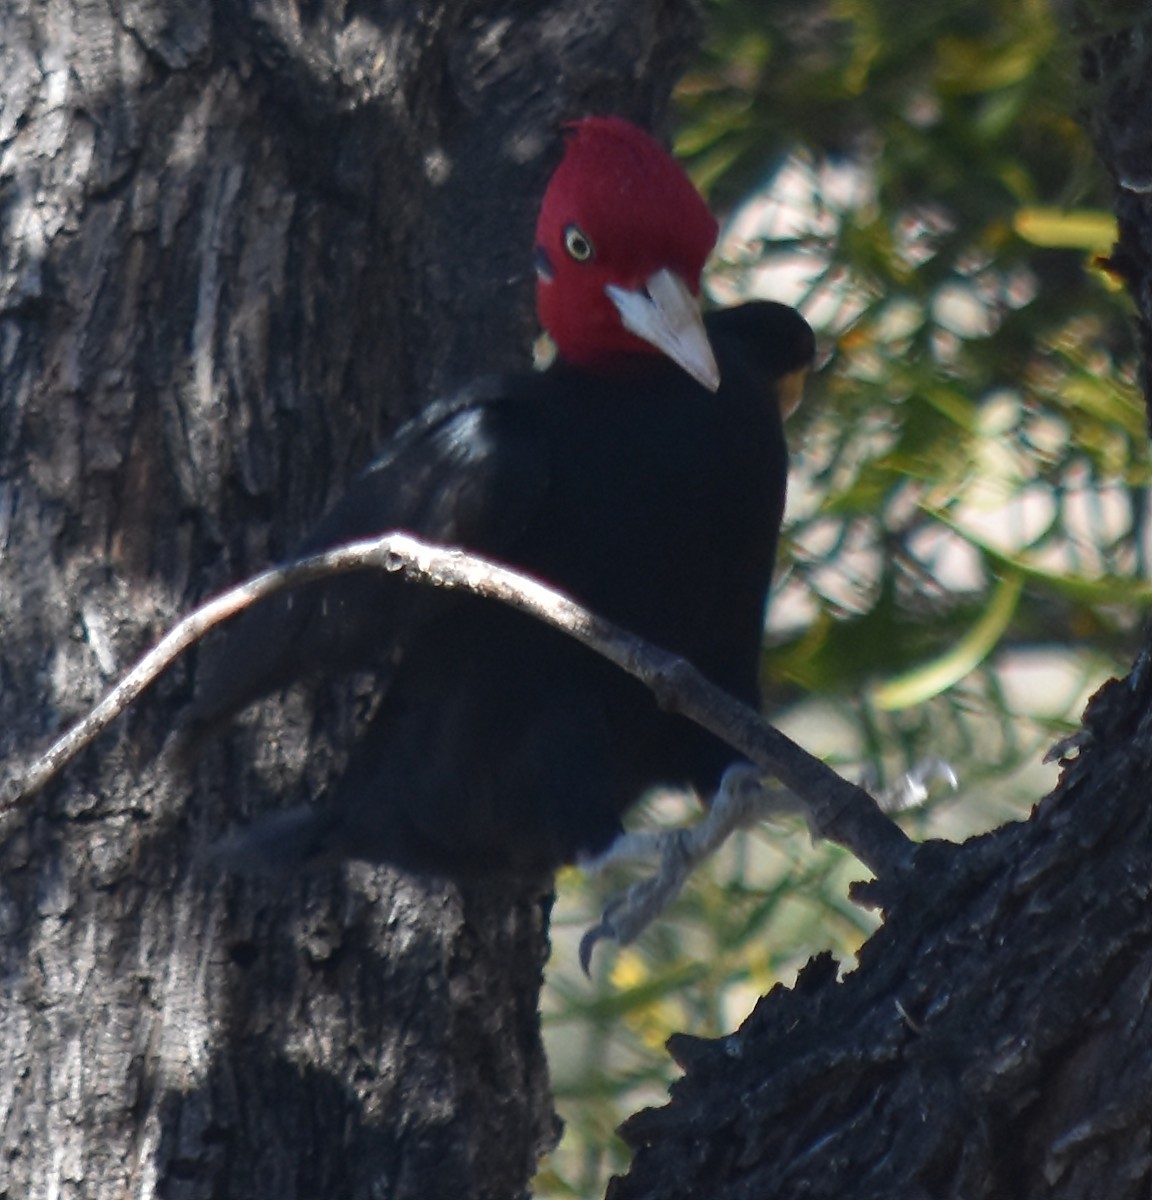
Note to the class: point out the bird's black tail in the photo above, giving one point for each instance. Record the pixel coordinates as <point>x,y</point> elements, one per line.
<point>281,845</point>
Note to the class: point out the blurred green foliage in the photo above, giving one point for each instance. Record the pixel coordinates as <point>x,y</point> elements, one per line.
<point>965,553</point>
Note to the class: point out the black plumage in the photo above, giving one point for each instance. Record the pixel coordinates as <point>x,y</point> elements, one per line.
<point>500,745</point>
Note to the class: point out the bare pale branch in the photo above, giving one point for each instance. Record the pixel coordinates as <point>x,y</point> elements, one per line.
<point>836,809</point>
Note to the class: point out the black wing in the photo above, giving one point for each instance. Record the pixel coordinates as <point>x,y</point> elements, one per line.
<point>469,472</point>
<point>773,340</point>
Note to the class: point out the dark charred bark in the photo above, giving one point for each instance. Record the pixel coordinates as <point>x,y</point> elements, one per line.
<point>995,1039</point>
<point>239,242</point>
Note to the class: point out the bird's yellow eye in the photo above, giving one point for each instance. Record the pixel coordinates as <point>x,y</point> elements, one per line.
<point>577,244</point>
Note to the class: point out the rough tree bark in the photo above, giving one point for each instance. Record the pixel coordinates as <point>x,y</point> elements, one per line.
<point>995,1039</point>
<point>239,242</point>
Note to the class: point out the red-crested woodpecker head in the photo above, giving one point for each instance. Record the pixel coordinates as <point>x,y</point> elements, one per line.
<point>620,245</point>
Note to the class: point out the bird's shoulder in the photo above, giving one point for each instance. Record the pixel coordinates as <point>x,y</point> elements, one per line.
<point>460,472</point>
<point>773,339</point>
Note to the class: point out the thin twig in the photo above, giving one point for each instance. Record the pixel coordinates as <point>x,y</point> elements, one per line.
<point>837,809</point>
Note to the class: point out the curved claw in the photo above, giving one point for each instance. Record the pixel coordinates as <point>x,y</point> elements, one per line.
<point>588,944</point>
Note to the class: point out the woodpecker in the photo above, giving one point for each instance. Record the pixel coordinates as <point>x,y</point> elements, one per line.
<point>643,473</point>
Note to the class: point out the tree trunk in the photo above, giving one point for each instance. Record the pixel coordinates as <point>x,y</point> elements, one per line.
<point>996,1038</point>
<point>241,241</point>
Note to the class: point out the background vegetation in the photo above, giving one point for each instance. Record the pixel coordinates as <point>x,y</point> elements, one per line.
<point>965,551</point>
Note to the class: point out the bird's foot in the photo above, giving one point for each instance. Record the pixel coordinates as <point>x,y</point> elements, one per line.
<point>914,786</point>
<point>742,799</point>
